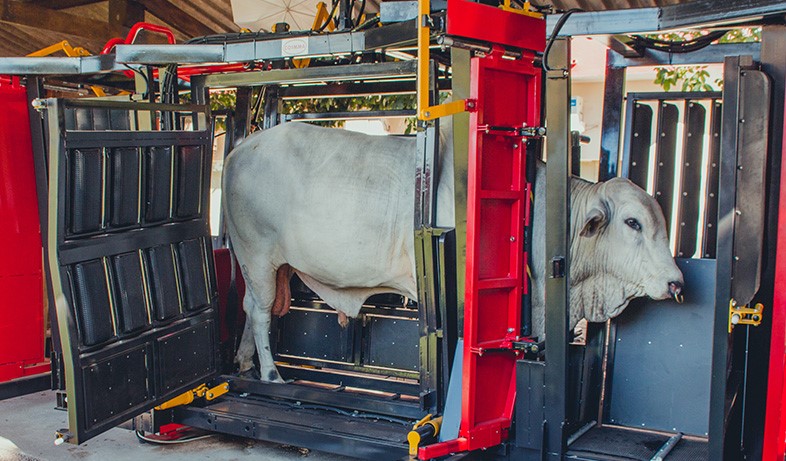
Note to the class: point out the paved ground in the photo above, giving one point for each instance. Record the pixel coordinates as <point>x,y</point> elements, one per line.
<point>31,421</point>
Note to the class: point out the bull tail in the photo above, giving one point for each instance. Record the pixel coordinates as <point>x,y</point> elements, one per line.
<point>283,295</point>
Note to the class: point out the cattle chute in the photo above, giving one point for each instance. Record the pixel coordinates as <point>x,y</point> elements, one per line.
<point>566,400</point>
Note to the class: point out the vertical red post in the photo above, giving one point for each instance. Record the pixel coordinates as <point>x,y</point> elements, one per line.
<point>21,277</point>
<point>505,96</point>
<point>775,418</point>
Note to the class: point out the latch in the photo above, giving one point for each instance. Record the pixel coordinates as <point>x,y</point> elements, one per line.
<point>423,432</point>
<point>200,391</point>
<point>744,315</point>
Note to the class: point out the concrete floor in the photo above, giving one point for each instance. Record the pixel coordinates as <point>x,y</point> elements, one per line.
<point>31,421</point>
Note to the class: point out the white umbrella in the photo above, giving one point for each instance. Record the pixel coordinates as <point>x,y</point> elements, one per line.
<point>259,15</point>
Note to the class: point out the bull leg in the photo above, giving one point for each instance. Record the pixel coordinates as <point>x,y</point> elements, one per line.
<point>261,327</point>
<point>258,304</point>
<point>245,352</point>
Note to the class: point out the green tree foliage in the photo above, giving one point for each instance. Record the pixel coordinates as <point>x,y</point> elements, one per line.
<point>696,78</point>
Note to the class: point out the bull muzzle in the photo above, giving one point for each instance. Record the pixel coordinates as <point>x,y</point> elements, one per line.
<point>675,291</point>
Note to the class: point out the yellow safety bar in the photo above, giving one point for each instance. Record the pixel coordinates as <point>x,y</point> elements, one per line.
<point>200,391</point>
<point>426,111</point>
<point>63,46</point>
<point>71,52</point>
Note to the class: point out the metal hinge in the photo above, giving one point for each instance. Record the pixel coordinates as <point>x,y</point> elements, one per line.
<point>744,315</point>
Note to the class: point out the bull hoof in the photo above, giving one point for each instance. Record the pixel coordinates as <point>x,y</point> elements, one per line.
<point>343,320</point>
<point>272,376</point>
<point>251,373</point>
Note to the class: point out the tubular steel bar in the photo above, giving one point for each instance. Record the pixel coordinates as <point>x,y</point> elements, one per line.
<point>557,247</point>
<point>400,69</point>
<point>702,12</point>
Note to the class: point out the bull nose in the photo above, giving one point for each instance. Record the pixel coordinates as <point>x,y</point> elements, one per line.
<point>675,290</point>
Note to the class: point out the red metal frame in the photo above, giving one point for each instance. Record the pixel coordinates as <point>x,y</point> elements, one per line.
<point>494,25</point>
<point>775,419</point>
<point>506,96</point>
<point>21,273</point>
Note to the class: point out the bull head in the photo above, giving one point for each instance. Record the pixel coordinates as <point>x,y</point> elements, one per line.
<point>621,251</point>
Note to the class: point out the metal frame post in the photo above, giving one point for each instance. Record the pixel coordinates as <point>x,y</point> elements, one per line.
<point>557,247</point>
<point>613,95</point>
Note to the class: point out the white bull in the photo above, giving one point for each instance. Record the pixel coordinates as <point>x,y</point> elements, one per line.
<point>337,208</point>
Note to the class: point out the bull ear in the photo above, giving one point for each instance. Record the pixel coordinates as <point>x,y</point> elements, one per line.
<point>594,222</point>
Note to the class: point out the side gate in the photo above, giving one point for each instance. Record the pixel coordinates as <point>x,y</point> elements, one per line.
<point>129,255</point>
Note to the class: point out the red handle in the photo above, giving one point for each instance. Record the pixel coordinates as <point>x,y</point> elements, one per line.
<point>140,26</point>
<point>132,34</point>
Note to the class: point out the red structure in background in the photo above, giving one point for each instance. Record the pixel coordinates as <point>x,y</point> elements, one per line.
<point>775,419</point>
<point>506,96</point>
<point>22,329</point>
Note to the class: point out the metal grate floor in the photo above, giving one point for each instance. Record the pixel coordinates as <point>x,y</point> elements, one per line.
<point>620,444</point>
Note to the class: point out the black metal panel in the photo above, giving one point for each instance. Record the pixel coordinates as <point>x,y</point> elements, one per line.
<point>162,276</point>
<point>182,357</point>
<point>662,358</point>
<point>190,163</point>
<point>753,137</point>
<point>693,147</point>
<point>193,272</point>
<point>640,138</point>
<point>313,333</point>
<point>114,284</point>
<point>665,158</point>
<point>123,186</point>
<point>530,385</point>
<point>393,342</point>
<point>91,302</point>
<point>112,386</point>
<point>129,292</point>
<point>158,182</point>
<point>711,198</point>
<point>86,180</point>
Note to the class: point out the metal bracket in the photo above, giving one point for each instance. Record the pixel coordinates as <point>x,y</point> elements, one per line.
<point>558,267</point>
<point>200,391</point>
<point>744,315</point>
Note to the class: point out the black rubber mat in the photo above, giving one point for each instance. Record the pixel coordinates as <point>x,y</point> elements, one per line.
<point>617,443</point>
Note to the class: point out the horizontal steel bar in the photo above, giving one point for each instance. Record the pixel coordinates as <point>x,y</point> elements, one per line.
<point>674,96</point>
<point>709,55</point>
<point>607,22</point>
<point>315,74</point>
<point>59,66</point>
<point>164,54</point>
<point>350,115</point>
<point>691,14</point>
<point>353,380</point>
<point>355,89</point>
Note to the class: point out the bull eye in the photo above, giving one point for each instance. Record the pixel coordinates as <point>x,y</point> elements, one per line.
<point>633,224</point>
